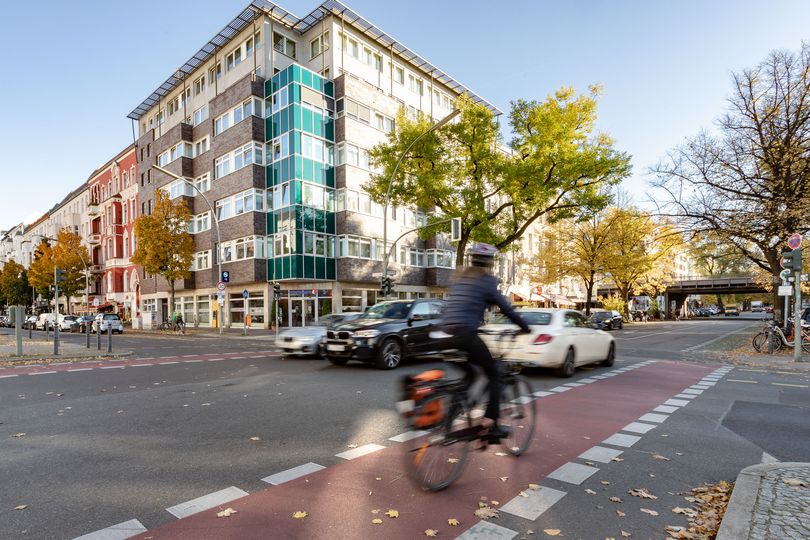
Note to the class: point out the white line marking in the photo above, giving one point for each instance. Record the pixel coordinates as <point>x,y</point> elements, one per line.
<point>620,439</point>
<point>541,393</point>
<point>767,458</point>
<point>701,386</point>
<point>574,384</point>
<point>638,427</point>
<point>559,389</point>
<point>142,359</point>
<point>685,396</point>
<point>191,361</point>
<point>652,417</point>
<point>484,530</point>
<point>206,502</point>
<point>718,338</point>
<point>292,474</point>
<point>360,451</point>
<point>407,436</point>
<point>141,365</point>
<point>522,400</point>
<point>258,356</point>
<point>589,380</point>
<point>665,409</point>
<point>599,377</point>
<point>165,357</point>
<point>190,355</point>
<point>573,473</point>
<point>6,376</point>
<point>693,391</point>
<point>676,402</point>
<point>533,506</point>
<point>80,369</point>
<point>111,367</point>
<point>215,359</point>
<point>41,372</point>
<point>238,357</point>
<point>167,363</point>
<point>600,454</point>
<point>124,530</point>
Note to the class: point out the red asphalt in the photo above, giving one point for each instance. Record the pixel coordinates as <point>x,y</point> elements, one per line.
<point>339,500</point>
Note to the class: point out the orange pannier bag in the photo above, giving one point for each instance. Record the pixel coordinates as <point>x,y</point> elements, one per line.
<point>418,389</point>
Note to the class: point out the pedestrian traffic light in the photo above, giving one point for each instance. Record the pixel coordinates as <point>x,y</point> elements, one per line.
<point>792,260</point>
<point>59,275</point>
<point>386,286</point>
<point>276,290</point>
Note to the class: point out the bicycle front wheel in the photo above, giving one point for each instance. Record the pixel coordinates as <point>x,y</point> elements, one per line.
<point>518,412</point>
<point>760,342</point>
<point>435,458</point>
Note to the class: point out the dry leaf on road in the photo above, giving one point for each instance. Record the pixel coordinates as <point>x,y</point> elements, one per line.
<point>795,482</point>
<point>620,513</point>
<point>453,522</point>
<point>392,513</point>
<point>605,483</point>
<point>452,460</point>
<point>590,492</point>
<point>431,532</point>
<point>19,435</point>
<point>648,511</point>
<point>626,534</point>
<point>616,499</point>
<point>504,478</point>
<point>21,507</point>
<point>644,493</point>
<point>375,511</point>
<point>486,513</point>
<point>255,439</point>
<point>228,512</point>
<point>552,532</point>
<point>689,512</point>
<point>351,445</point>
<point>376,521</point>
<point>500,454</point>
<point>617,459</point>
<point>299,514</point>
<point>662,458</point>
<point>534,486</point>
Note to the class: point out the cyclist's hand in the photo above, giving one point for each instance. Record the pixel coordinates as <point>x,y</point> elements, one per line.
<point>526,330</point>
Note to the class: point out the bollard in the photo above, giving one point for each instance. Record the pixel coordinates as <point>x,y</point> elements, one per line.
<point>19,313</point>
<point>109,339</point>
<point>47,332</point>
<point>87,332</point>
<point>98,337</point>
<point>30,331</point>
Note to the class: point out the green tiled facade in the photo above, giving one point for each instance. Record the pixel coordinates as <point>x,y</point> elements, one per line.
<point>300,176</point>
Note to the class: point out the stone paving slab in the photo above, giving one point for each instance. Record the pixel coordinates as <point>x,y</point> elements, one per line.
<point>39,349</point>
<point>764,506</point>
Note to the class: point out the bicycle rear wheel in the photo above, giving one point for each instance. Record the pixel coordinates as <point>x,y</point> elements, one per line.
<point>436,458</point>
<point>760,342</point>
<point>518,412</point>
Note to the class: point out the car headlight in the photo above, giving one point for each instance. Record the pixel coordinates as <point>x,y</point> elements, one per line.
<point>367,333</point>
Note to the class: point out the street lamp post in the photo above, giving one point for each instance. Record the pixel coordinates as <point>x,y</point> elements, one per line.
<point>431,129</point>
<point>213,217</point>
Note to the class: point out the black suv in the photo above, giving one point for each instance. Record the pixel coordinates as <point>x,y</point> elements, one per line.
<point>386,333</point>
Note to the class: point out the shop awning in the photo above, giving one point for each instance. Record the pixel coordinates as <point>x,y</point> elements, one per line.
<point>102,307</point>
<point>561,300</point>
<point>529,294</point>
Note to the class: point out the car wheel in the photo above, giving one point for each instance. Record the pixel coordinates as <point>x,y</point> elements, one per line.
<point>337,361</point>
<point>621,325</point>
<point>568,366</point>
<point>611,356</point>
<point>390,354</point>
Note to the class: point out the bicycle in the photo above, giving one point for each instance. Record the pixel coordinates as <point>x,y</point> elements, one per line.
<point>777,338</point>
<point>446,416</point>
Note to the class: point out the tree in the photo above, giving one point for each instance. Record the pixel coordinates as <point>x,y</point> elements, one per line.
<point>14,288</point>
<point>164,245</point>
<point>71,256</point>
<point>40,274</point>
<point>749,184</point>
<point>715,259</point>
<point>556,169</point>
<point>575,249</point>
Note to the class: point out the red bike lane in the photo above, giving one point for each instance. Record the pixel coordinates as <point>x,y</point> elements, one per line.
<point>340,500</point>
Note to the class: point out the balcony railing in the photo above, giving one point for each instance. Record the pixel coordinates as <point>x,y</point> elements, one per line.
<point>94,238</point>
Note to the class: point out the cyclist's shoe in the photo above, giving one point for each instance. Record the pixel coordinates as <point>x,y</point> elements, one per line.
<point>496,433</point>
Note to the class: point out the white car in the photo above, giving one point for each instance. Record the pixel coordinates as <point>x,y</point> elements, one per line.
<point>108,320</point>
<point>307,339</point>
<point>559,338</point>
<point>67,322</point>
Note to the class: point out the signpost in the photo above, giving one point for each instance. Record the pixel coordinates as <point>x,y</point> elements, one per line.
<point>792,261</point>
<point>221,286</point>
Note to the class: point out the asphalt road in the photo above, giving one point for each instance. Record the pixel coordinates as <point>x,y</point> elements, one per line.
<point>105,446</point>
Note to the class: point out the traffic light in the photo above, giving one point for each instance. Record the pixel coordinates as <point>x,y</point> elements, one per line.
<point>792,260</point>
<point>59,275</point>
<point>386,286</point>
<point>276,290</point>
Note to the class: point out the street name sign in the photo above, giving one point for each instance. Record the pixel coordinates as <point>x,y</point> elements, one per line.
<point>785,290</point>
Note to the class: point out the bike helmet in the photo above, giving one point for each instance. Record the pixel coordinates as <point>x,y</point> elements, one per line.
<point>483,255</point>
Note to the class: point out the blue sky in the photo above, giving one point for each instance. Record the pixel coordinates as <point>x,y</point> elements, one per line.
<point>665,67</point>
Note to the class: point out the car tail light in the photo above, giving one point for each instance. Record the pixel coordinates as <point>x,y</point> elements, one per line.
<point>542,339</point>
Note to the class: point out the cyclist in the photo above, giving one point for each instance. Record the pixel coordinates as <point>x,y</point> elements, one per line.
<point>475,290</point>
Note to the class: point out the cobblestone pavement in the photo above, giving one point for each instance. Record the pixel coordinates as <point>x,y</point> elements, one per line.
<point>782,510</point>
<point>38,348</point>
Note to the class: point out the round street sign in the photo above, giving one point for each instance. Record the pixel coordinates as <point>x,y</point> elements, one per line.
<point>221,286</point>
<point>795,241</point>
<point>784,274</point>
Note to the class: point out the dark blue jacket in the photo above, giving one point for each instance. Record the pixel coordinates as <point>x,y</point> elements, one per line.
<point>469,297</point>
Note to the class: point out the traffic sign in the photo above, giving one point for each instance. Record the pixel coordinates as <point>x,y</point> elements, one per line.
<point>785,290</point>
<point>226,276</point>
<point>795,241</point>
<point>785,274</point>
<point>221,286</point>
<point>96,302</point>
<point>245,294</point>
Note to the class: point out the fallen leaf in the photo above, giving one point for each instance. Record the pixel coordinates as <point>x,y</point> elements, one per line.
<point>376,521</point>
<point>504,478</point>
<point>255,439</point>
<point>530,532</point>
<point>299,514</point>
<point>500,454</point>
<point>496,503</point>
<point>626,534</point>
<point>552,532</point>
<point>616,499</point>
<point>662,458</point>
<point>228,512</point>
<point>605,483</point>
<point>689,512</point>
<point>644,493</point>
<point>392,513</point>
<point>486,513</point>
<point>795,482</point>
<point>21,507</point>
<point>534,486</point>
<point>378,478</point>
<point>351,445</point>
<point>617,459</point>
<point>431,532</point>
<point>590,464</point>
<point>584,437</point>
<point>590,492</point>
<point>620,513</point>
<point>678,453</point>
<point>452,460</point>
<point>523,494</point>
<point>648,511</point>
<point>651,475</point>
<point>665,434</point>
<point>375,511</point>
<point>453,522</point>
<point>19,435</point>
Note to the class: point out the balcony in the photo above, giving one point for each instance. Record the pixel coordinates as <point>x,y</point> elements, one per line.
<point>95,268</point>
<point>94,238</point>
<point>92,207</point>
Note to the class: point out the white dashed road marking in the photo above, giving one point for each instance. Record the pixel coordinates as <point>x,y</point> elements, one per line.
<point>141,365</point>
<point>206,502</point>
<point>651,417</point>
<point>665,409</point>
<point>121,531</point>
<point>600,454</point>
<point>41,372</point>
<point>620,439</point>
<point>533,506</point>
<point>407,436</point>
<point>541,393</point>
<point>676,402</point>
<point>360,451</point>
<point>7,376</point>
<point>560,389</point>
<point>292,474</point>
<point>573,473</point>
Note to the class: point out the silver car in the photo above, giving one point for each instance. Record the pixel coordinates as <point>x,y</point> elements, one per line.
<point>108,320</point>
<point>307,339</point>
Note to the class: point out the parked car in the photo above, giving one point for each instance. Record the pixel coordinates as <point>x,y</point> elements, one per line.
<point>731,310</point>
<point>84,323</point>
<point>308,339</point>
<point>108,320</point>
<point>5,322</point>
<point>30,322</point>
<point>46,319</point>
<point>703,312</point>
<point>607,320</point>
<point>560,338</point>
<point>386,333</point>
<point>67,323</point>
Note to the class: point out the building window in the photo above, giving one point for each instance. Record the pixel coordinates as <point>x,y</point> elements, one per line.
<point>199,223</point>
<point>252,152</point>
<point>234,58</point>
<point>199,86</point>
<point>215,73</point>
<point>355,246</point>
<point>232,117</point>
<point>399,75</point>
<point>203,182</point>
<point>281,146</point>
<point>249,247</point>
<point>200,115</point>
<point>415,84</point>
<point>201,146</point>
<point>383,122</point>
<point>319,45</point>
<point>246,201</point>
<point>201,261</point>
<point>349,154</point>
<point>322,245</point>
<point>352,109</point>
<point>351,46</point>
<point>317,149</point>
<point>283,44</point>
<point>179,188</point>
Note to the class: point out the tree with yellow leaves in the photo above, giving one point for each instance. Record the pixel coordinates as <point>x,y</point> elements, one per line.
<point>40,274</point>
<point>71,256</point>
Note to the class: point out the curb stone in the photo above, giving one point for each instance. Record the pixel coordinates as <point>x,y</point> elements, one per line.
<point>737,521</point>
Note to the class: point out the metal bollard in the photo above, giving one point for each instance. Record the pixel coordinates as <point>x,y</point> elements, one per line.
<point>19,313</point>
<point>30,331</point>
<point>47,332</point>
<point>56,339</point>
<point>109,339</point>
<point>98,338</point>
<point>87,331</point>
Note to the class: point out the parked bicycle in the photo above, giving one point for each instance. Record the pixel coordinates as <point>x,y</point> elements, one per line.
<point>447,415</point>
<point>777,338</point>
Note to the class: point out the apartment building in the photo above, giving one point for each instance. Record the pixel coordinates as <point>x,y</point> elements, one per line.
<point>111,211</point>
<point>271,121</point>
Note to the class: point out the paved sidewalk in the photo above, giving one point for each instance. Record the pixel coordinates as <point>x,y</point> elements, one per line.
<point>769,501</point>
<point>37,348</point>
<point>228,333</point>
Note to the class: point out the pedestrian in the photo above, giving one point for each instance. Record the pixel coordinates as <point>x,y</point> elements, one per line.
<point>179,324</point>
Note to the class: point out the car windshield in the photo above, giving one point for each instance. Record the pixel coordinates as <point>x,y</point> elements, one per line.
<point>388,310</point>
<point>111,317</point>
<point>328,320</point>
<point>532,318</point>
<point>602,315</point>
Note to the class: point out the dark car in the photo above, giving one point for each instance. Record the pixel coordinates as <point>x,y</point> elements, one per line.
<point>703,312</point>
<point>607,320</point>
<point>84,323</point>
<point>386,334</point>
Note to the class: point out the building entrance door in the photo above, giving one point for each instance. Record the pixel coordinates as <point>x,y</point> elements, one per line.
<point>302,311</point>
